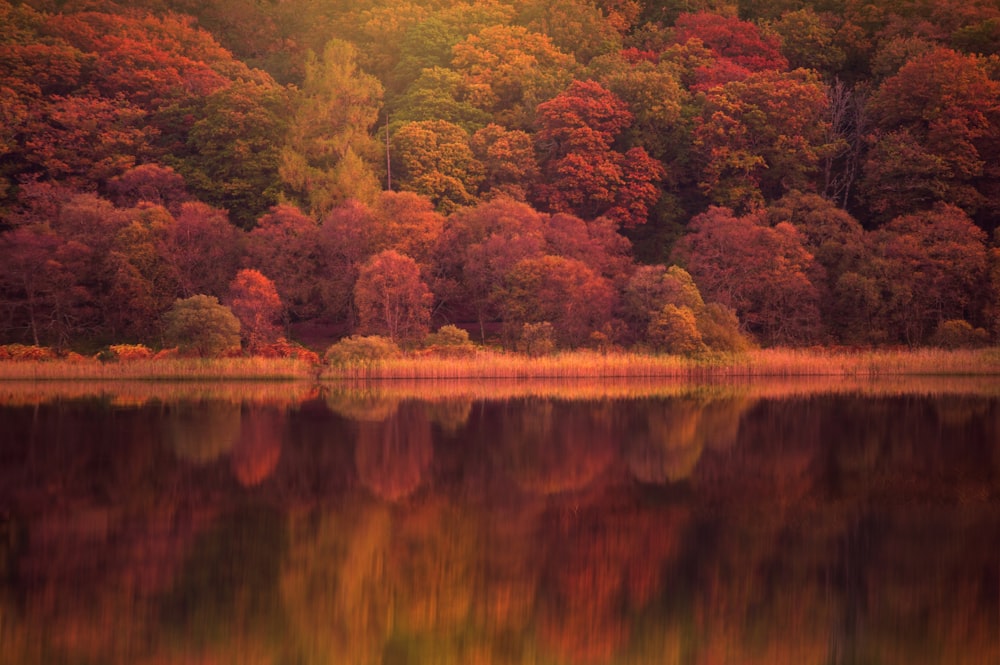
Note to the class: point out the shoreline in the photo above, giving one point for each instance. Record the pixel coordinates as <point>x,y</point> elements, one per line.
<point>488,364</point>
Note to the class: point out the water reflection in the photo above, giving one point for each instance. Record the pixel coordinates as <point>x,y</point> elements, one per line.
<point>511,524</point>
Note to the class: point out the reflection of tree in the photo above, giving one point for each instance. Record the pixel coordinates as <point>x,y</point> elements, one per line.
<point>450,414</point>
<point>552,447</point>
<point>667,446</point>
<point>201,432</point>
<point>432,563</point>
<point>227,594</point>
<point>335,587</point>
<point>666,439</point>
<point>604,566</point>
<point>258,449</point>
<point>393,455</point>
<point>362,405</point>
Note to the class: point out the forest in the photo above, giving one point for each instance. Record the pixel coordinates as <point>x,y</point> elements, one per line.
<point>671,176</point>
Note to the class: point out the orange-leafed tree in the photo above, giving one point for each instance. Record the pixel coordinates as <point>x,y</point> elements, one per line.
<point>255,302</point>
<point>391,298</point>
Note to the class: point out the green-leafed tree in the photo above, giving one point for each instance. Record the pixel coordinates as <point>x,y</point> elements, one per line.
<point>200,326</point>
<point>326,159</point>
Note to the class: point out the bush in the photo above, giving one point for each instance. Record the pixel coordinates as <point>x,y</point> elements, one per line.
<point>674,329</point>
<point>720,329</point>
<point>959,334</point>
<point>361,349</point>
<point>449,340</point>
<point>537,339</point>
<point>200,326</point>
<point>282,348</point>
<point>129,352</point>
<point>24,352</point>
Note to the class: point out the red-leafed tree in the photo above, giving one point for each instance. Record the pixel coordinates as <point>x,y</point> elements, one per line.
<point>582,173</point>
<point>203,248</point>
<point>739,41</point>
<point>564,292</point>
<point>764,273</point>
<point>929,267</point>
<point>758,138</point>
<point>255,302</point>
<point>391,298</point>
<point>286,246</point>
<point>937,121</point>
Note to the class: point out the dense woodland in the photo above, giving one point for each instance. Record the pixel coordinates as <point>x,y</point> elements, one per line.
<point>670,175</point>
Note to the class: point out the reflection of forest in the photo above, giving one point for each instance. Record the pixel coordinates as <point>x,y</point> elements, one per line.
<point>704,526</point>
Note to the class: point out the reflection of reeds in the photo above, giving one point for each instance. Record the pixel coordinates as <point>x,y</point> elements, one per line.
<point>138,393</point>
<point>766,363</point>
<point>376,400</point>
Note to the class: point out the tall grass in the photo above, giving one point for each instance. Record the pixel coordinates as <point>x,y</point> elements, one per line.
<point>499,365</point>
<point>174,369</point>
<point>758,363</point>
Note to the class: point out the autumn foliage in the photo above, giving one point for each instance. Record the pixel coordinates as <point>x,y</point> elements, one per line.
<point>824,175</point>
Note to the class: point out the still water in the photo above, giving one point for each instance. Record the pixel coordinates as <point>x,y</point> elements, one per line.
<point>487,524</point>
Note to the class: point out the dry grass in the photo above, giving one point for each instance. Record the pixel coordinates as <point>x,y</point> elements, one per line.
<point>174,369</point>
<point>487,364</point>
<point>761,363</point>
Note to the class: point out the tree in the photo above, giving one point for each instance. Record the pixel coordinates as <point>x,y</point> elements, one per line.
<point>930,267</point>
<point>391,298</point>
<point>934,122</point>
<point>510,70</point>
<point>287,246</point>
<point>330,126</point>
<point>434,159</point>
<point>675,330</point>
<point>582,174</point>
<point>200,326</point>
<point>255,302</point>
<point>508,159</point>
<point>762,272</point>
<point>562,291</point>
<point>741,42</point>
<point>232,155</point>
<point>758,138</point>
<point>203,248</point>
<point>574,26</point>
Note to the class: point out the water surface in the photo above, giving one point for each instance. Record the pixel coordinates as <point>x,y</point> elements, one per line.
<point>501,523</point>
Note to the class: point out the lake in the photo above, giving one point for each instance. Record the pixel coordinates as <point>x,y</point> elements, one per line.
<point>486,523</point>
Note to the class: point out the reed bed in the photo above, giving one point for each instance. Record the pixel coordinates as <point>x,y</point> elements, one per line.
<point>173,369</point>
<point>760,363</point>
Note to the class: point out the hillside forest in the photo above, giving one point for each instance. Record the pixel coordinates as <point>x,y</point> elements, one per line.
<point>672,176</point>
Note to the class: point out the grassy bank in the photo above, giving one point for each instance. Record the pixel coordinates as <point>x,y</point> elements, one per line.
<point>761,363</point>
<point>172,369</point>
<point>486,364</point>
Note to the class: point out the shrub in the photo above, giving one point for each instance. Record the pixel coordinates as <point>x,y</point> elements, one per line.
<point>282,348</point>
<point>537,339</point>
<point>24,352</point>
<point>449,340</point>
<point>959,334</point>
<point>674,329</point>
<point>200,326</point>
<point>128,352</point>
<point>720,329</point>
<point>361,349</point>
